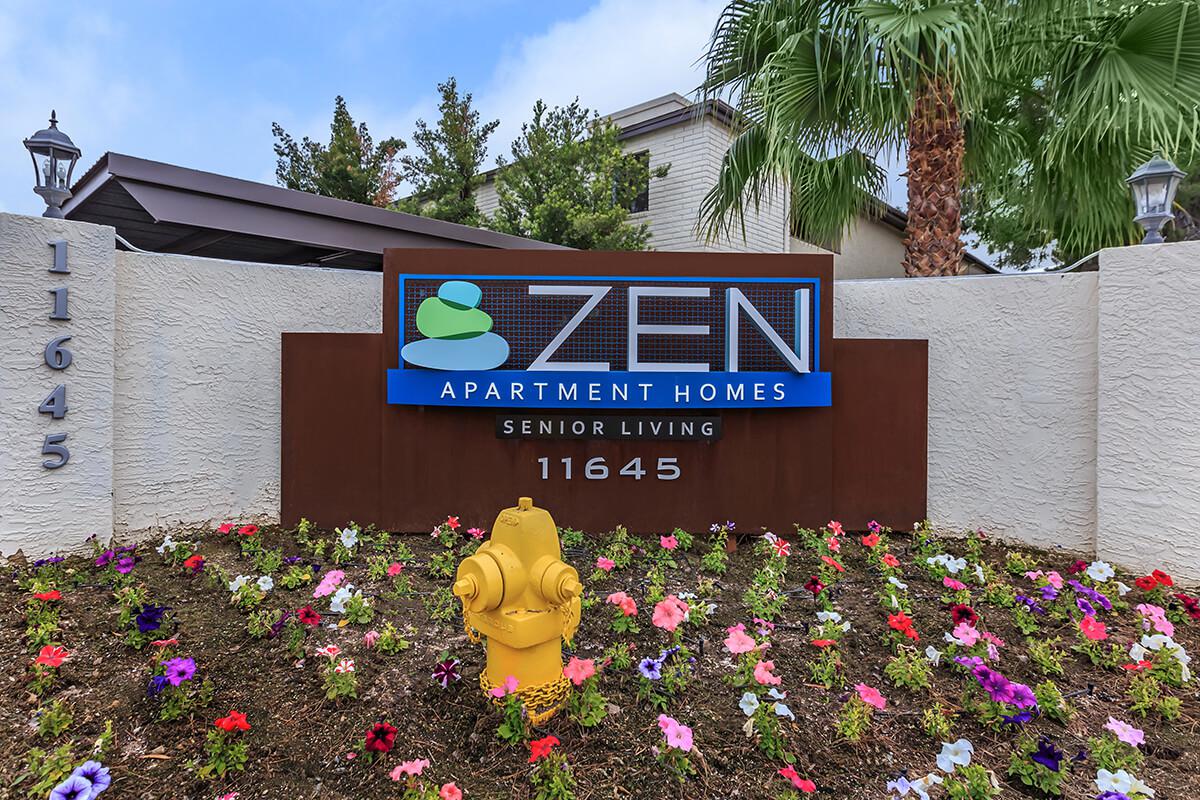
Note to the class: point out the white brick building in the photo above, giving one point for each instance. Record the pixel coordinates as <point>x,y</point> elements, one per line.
<point>692,138</point>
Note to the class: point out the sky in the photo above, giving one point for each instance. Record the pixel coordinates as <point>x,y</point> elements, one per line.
<point>199,84</point>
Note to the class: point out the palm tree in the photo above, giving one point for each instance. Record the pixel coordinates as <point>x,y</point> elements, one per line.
<point>1039,107</point>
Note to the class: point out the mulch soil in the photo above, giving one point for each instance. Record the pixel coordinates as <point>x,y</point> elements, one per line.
<point>300,741</point>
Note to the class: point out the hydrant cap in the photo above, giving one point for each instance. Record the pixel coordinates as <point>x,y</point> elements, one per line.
<point>524,503</point>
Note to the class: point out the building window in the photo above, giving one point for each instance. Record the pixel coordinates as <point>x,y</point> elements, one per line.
<point>640,201</point>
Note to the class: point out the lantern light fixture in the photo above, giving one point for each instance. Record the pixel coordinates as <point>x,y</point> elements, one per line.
<point>1153,185</point>
<point>54,156</point>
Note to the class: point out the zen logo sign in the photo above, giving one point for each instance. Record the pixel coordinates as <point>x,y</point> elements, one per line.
<point>513,341</point>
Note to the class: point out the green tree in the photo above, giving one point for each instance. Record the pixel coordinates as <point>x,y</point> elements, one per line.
<point>570,183</point>
<point>351,167</point>
<point>1039,107</point>
<point>446,174</point>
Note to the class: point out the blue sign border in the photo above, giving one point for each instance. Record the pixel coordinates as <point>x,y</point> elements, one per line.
<point>425,386</point>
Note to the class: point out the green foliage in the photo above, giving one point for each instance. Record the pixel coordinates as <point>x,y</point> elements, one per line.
<point>1110,753</point>
<point>764,598</point>
<point>570,538</point>
<point>1058,101</point>
<point>53,720</point>
<point>854,719</point>
<point>716,557</point>
<point>935,722</point>
<point>685,539</point>
<point>390,642</point>
<point>909,670</point>
<point>268,562</point>
<point>226,753</point>
<point>45,769</point>
<point>295,576</point>
<point>441,604</point>
<point>570,182</point>
<point>1052,703</point>
<point>1045,654</point>
<point>971,782</point>
<point>339,684</point>
<point>442,564</point>
<point>552,778</point>
<point>351,167</point>
<point>586,705</point>
<point>513,728</point>
<point>446,173</point>
<point>1146,694</point>
<point>259,623</point>
<point>358,610</point>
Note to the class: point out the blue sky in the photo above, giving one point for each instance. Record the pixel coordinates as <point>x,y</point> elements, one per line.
<point>199,84</point>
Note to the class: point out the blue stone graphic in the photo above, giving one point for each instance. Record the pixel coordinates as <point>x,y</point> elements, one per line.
<point>486,351</point>
<point>463,293</point>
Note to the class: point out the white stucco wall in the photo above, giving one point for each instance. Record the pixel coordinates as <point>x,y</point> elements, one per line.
<point>1012,396</point>
<point>197,346</point>
<point>1148,460</point>
<point>38,504</point>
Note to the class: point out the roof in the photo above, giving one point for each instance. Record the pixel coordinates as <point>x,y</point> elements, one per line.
<point>170,209</point>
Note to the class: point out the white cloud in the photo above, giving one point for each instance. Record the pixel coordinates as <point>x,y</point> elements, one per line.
<point>619,53</point>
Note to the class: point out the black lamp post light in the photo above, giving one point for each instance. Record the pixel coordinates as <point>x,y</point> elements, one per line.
<point>1153,185</point>
<point>54,156</point>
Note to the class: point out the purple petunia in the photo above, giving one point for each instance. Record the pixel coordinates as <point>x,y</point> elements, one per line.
<point>446,671</point>
<point>95,772</point>
<point>1087,608</point>
<point>149,618</point>
<point>1031,604</point>
<point>1049,593</point>
<point>1019,718</point>
<point>75,787</point>
<point>178,670</point>
<point>999,688</point>
<point>650,668</point>
<point>1047,755</point>
<point>1091,594</point>
<point>105,557</point>
<point>157,684</point>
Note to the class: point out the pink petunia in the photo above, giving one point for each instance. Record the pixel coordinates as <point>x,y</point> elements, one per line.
<point>394,569</point>
<point>1093,629</point>
<point>623,601</point>
<point>764,675</point>
<point>669,613</point>
<point>966,635</point>
<point>668,542</point>
<point>329,583</point>
<point>410,769</point>
<point>678,736</point>
<point>508,687</point>
<point>579,670</point>
<point>953,584</point>
<point>871,696</point>
<point>1128,734</point>
<point>370,638</point>
<point>737,642</point>
<point>605,564</point>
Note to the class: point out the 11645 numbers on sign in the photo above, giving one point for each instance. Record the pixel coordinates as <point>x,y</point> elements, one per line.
<point>597,469</point>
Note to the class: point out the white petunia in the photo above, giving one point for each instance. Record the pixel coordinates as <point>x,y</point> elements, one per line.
<point>922,785</point>
<point>899,584</point>
<point>266,583</point>
<point>782,710</point>
<point>778,695</point>
<point>348,537</point>
<point>167,544</point>
<point>979,575</point>
<point>1122,589</point>
<point>238,582</point>
<point>1100,571</point>
<point>933,655</point>
<point>954,754</point>
<point>337,603</point>
<point>899,787</point>
<point>749,703</point>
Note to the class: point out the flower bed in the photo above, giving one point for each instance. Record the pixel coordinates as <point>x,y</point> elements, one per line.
<point>263,661</point>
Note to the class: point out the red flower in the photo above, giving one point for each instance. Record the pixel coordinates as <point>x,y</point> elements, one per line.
<point>52,656</point>
<point>814,585</point>
<point>870,540</point>
<point>890,560</point>
<point>823,643</point>
<point>235,721</point>
<point>225,527</point>
<point>803,784</point>
<point>964,613</point>
<point>540,748</point>
<point>309,616</point>
<point>46,597</point>
<point>194,562</point>
<point>1138,665</point>
<point>1146,582</point>
<point>833,563</point>
<point>782,548</point>
<point>381,738</point>
<point>1077,567</point>
<point>900,621</point>
<point>247,530</point>
<point>1163,578</point>
<point>1190,605</point>
<point>453,523</point>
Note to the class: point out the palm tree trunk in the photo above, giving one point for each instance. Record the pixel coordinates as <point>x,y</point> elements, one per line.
<point>932,242</point>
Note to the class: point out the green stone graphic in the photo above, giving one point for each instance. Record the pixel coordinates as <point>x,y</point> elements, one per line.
<point>438,319</point>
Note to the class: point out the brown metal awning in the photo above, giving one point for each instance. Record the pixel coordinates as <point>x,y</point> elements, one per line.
<point>169,209</point>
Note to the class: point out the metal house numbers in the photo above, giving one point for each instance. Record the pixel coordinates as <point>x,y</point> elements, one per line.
<point>57,358</point>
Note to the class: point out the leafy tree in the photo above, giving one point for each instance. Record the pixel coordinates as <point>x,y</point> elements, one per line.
<point>570,183</point>
<point>351,167</point>
<point>447,172</point>
<point>1040,108</point>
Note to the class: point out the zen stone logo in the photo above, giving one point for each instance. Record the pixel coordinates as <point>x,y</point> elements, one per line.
<point>510,341</point>
<point>460,336</point>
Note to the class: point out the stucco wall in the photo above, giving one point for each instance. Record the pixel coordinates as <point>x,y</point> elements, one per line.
<point>36,504</point>
<point>1148,460</point>
<point>196,436</point>
<point>1012,396</point>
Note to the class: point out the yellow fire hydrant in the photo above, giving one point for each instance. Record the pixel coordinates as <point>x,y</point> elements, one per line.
<point>517,591</point>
